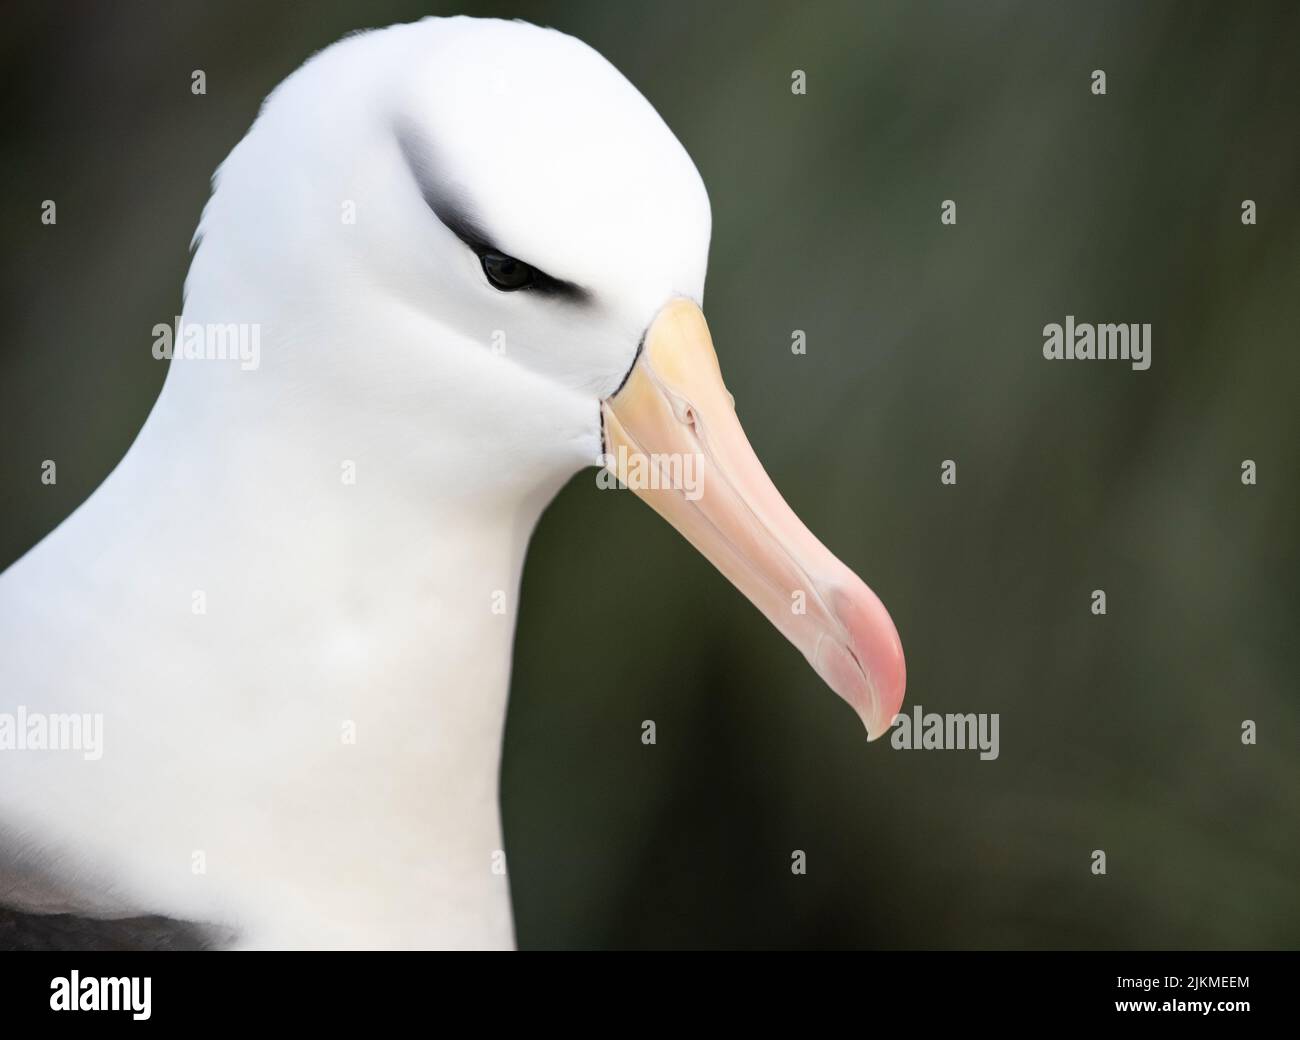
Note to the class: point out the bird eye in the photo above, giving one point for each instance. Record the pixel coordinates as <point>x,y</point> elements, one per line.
<point>506,273</point>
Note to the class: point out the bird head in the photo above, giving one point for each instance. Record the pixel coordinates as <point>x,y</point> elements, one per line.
<point>513,244</point>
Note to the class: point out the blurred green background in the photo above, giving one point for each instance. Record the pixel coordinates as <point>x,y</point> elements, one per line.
<point>1119,733</point>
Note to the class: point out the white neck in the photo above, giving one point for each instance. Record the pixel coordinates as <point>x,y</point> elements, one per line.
<point>374,611</point>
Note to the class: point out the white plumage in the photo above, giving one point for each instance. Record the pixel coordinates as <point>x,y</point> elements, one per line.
<point>328,604</point>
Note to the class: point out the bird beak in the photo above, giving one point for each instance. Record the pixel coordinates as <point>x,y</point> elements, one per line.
<point>672,436</point>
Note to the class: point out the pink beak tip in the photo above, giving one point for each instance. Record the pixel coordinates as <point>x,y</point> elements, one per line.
<point>870,673</point>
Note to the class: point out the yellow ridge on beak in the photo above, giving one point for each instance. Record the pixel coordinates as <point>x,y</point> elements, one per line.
<point>672,436</point>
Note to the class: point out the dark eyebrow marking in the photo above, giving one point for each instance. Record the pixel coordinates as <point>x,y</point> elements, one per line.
<point>456,215</point>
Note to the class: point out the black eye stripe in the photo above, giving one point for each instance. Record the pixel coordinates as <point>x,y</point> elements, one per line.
<point>450,205</point>
<point>501,269</point>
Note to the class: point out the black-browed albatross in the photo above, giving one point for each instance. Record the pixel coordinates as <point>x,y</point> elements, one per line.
<point>473,256</point>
